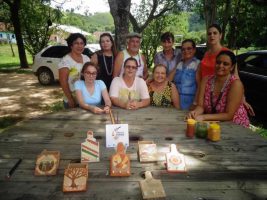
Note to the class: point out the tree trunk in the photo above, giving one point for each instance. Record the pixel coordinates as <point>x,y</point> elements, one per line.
<point>226,17</point>
<point>120,10</point>
<point>14,9</point>
<point>73,184</point>
<point>209,12</point>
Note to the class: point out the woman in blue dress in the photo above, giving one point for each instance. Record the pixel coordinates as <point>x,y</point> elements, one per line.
<point>89,91</point>
<point>184,75</point>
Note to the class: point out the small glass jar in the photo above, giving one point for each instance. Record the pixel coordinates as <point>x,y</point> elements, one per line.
<point>190,130</point>
<point>214,133</point>
<point>201,129</point>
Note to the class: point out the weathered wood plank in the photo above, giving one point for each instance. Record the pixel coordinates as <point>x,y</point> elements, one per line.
<point>233,168</point>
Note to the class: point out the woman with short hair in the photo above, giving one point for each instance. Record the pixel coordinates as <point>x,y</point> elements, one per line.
<point>129,91</point>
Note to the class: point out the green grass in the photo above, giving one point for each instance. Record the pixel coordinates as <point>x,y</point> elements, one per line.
<point>8,63</point>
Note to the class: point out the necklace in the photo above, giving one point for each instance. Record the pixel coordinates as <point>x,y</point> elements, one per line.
<point>106,67</point>
<point>213,107</point>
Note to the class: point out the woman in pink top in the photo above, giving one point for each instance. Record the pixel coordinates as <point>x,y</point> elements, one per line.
<point>221,95</point>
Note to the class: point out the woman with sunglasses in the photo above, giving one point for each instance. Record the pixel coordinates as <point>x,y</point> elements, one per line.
<point>184,75</point>
<point>129,91</point>
<point>89,91</point>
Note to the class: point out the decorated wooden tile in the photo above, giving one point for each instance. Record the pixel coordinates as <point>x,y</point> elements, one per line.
<point>120,162</point>
<point>175,160</point>
<point>75,177</point>
<point>147,151</point>
<point>90,149</point>
<point>151,188</point>
<point>47,163</point>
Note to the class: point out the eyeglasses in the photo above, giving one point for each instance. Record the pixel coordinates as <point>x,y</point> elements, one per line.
<point>130,67</point>
<point>187,49</point>
<point>78,43</point>
<point>90,73</point>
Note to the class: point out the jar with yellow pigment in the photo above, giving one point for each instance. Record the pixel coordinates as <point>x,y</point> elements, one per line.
<point>214,132</point>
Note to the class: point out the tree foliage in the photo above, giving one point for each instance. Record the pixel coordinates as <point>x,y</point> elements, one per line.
<point>36,23</point>
<point>242,21</point>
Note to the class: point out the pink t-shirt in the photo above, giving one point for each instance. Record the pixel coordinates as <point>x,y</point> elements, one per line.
<point>240,116</point>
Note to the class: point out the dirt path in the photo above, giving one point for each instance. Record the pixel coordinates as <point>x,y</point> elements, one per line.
<point>22,96</point>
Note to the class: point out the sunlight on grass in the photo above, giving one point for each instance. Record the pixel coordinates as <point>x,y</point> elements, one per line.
<point>259,130</point>
<point>7,61</point>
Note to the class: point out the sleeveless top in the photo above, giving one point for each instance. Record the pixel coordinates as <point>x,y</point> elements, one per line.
<point>140,62</point>
<point>163,98</point>
<point>240,116</point>
<point>105,69</point>
<point>208,62</point>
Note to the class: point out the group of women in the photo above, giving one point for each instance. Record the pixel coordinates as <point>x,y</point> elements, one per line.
<point>209,88</point>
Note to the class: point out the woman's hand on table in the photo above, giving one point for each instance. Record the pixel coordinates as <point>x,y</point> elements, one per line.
<point>98,110</point>
<point>106,109</point>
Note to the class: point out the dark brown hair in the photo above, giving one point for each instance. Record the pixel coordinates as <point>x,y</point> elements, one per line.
<point>87,64</point>
<point>113,47</point>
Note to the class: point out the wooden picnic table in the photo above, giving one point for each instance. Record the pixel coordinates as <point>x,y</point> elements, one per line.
<point>233,168</point>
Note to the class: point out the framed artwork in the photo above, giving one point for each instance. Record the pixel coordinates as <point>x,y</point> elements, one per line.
<point>75,177</point>
<point>47,163</point>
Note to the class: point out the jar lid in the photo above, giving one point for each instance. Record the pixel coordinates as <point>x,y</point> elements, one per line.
<point>191,121</point>
<point>215,126</point>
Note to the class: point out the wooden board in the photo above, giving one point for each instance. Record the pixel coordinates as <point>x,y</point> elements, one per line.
<point>233,168</point>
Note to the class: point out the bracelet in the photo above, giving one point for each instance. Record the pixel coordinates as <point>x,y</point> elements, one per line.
<point>107,106</point>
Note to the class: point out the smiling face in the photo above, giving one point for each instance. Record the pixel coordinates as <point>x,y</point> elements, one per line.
<point>77,46</point>
<point>130,69</point>
<point>159,74</point>
<point>105,43</point>
<point>223,65</point>
<point>188,51</point>
<point>214,36</point>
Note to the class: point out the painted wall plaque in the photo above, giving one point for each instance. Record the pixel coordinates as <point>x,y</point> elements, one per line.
<point>175,160</point>
<point>90,149</point>
<point>47,163</point>
<point>147,151</point>
<point>120,162</point>
<point>75,177</point>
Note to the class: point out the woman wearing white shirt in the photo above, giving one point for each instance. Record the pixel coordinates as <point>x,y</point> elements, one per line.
<point>129,91</point>
<point>70,68</point>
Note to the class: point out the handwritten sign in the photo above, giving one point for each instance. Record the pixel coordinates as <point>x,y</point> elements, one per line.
<point>116,133</point>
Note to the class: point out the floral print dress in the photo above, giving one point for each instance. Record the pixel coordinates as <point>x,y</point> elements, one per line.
<point>240,116</point>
